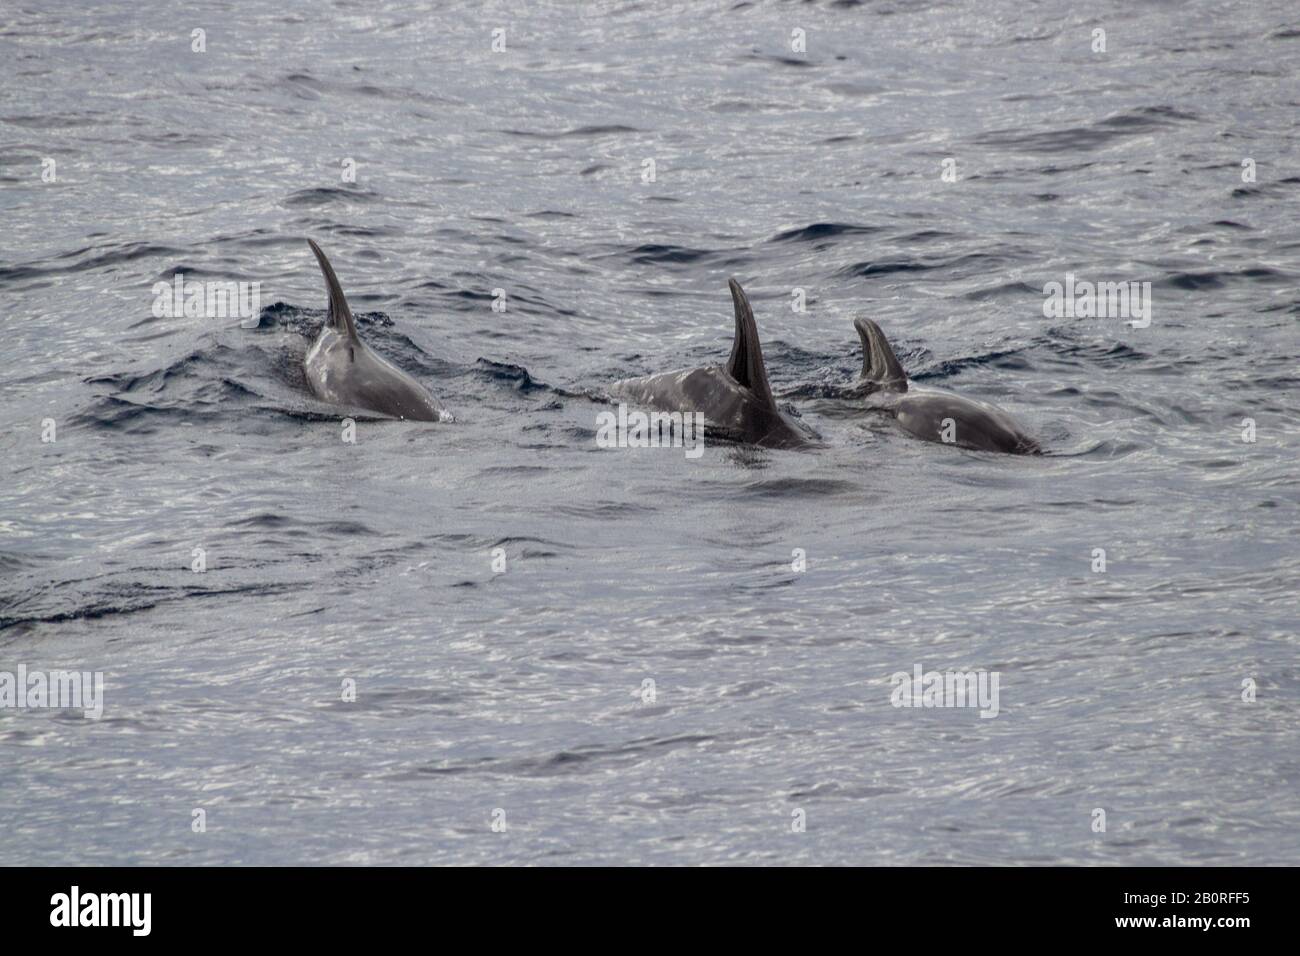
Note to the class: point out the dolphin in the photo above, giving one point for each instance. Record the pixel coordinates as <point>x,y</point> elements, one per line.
<point>735,398</point>
<point>342,370</point>
<point>931,413</point>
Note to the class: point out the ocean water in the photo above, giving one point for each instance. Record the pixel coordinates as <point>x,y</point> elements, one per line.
<point>493,641</point>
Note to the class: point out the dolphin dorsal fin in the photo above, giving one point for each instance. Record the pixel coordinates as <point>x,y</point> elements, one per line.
<point>879,364</point>
<point>746,362</point>
<point>340,317</point>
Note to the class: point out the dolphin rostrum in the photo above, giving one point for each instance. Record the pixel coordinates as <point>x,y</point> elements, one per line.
<point>933,414</point>
<point>735,399</point>
<point>342,370</point>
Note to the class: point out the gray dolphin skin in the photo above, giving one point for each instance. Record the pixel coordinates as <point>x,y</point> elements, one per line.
<point>342,370</point>
<point>735,398</point>
<point>925,412</point>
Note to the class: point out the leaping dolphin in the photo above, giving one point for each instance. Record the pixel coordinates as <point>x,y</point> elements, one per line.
<point>735,398</point>
<point>933,414</point>
<point>342,370</point>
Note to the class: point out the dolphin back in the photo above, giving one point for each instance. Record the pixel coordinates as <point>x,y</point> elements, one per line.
<point>341,370</point>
